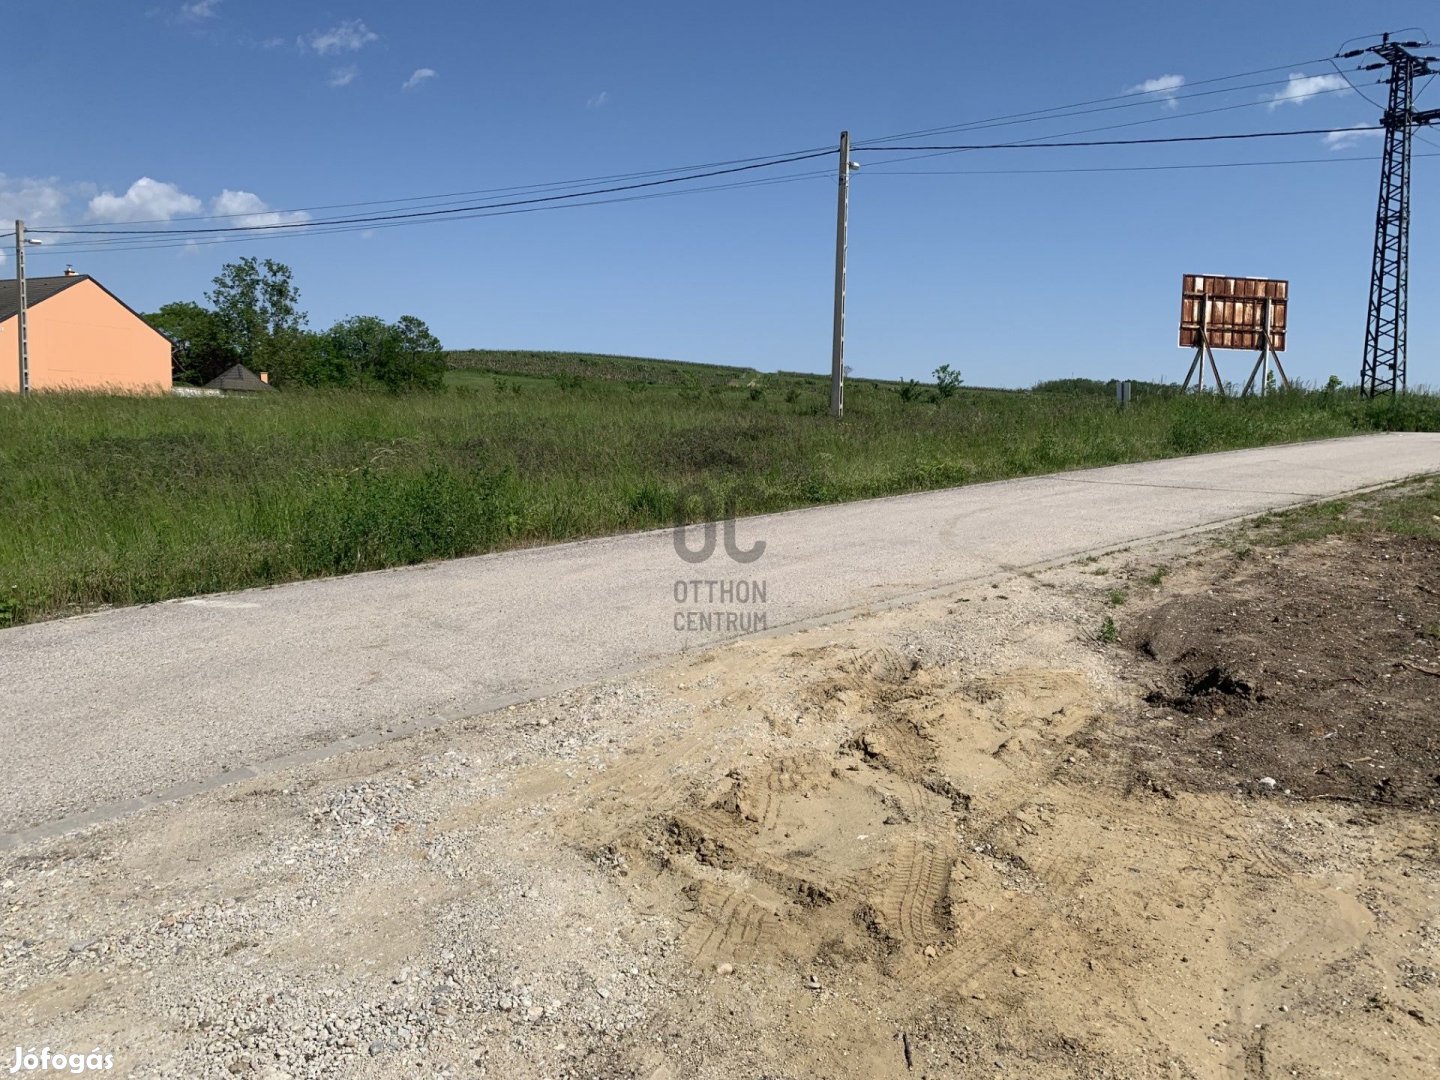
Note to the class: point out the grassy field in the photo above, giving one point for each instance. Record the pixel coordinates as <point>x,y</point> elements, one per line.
<point>1410,510</point>
<point>122,501</point>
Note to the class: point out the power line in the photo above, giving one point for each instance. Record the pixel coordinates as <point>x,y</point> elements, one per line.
<point>90,227</point>
<point>1121,142</point>
<point>158,242</point>
<point>1094,101</point>
<point>456,211</point>
<point>155,239</point>
<point>1128,124</point>
<point>881,171</point>
<point>81,247</point>
<point>1168,99</point>
<point>130,238</point>
<point>1352,86</point>
<point>447,211</point>
<point>1129,100</point>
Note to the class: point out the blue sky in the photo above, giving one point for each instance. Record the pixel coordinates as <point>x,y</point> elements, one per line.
<point>252,107</point>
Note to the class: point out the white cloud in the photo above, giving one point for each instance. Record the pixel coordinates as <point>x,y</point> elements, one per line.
<point>46,202</point>
<point>344,76</point>
<point>37,202</point>
<point>146,200</point>
<point>200,10</point>
<point>1301,88</point>
<point>34,201</point>
<point>351,35</point>
<point>245,208</point>
<point>599,101</point>
<point>1163,87</point>
<point>1351,136</point>
<point>421,74</point>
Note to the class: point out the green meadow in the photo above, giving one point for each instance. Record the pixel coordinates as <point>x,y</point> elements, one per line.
<point>113,500</point>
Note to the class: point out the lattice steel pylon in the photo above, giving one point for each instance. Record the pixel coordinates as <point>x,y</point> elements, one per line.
<point>1383,368</point>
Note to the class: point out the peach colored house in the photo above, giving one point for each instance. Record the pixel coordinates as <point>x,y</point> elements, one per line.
<point>81,337</point>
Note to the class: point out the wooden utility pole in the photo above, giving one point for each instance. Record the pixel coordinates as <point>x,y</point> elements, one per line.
<point>20,318</point>
<point>842,228</point>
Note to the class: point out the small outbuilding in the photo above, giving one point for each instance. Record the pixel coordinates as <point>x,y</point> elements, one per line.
<point>80,336</point>
<point>241,379</point>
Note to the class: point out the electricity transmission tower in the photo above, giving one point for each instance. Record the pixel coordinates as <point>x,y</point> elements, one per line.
<point>1382,371</point>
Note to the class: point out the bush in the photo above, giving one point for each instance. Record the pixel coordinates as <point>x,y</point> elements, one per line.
<point>947,380</point>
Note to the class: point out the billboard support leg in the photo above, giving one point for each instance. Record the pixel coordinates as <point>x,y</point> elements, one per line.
<point>1215,368</point>
<point>1267,353</point>
<point>1255,371</point>
<point>1203,352</point>
<point>1284,379</point>
<point>1195,366</point>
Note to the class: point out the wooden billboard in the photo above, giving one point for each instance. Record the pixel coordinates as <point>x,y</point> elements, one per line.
<point>1231,311</point>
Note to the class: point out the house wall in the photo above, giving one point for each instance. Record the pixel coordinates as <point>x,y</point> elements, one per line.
<point>85,339</point>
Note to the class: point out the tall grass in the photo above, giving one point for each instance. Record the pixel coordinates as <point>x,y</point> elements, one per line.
<point>110,500</point>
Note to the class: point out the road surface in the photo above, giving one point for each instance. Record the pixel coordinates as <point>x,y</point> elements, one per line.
<point>109,712</point>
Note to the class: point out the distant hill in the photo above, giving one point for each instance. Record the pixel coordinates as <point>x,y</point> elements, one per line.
<point>595,366</point>
<point>1104,387</point>
<point>642,369</point>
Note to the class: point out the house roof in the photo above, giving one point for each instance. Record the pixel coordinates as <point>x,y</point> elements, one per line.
<point>238,377</point>
<point>37,290</point>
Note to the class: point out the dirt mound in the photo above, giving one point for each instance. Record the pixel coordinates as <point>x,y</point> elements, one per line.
<point>1315,671</point>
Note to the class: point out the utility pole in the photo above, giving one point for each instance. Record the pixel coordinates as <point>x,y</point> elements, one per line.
<point>842,228</point>
<point>20,317</point>
<point>1383,368</point>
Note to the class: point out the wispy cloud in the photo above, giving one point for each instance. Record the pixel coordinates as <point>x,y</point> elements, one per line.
<point>1351,136</point>
<point>144,200</point>
<point>46,202</point>
<point>245,208</point>
<point>199,10</point>
<point>36,201</point>
<point>344,76</point>
<point>349,36</point>
<point>1163,87</point>
<point>1300,88</point>
<point>421,74</point>
<point>599,101</point>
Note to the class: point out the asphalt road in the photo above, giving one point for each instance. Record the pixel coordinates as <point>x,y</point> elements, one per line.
<point>107,712</point>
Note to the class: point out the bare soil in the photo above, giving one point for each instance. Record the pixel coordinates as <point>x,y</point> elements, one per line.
<point>1319,669</point>
<point>964,838</point>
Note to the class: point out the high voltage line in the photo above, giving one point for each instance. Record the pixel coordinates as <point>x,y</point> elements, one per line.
<point>1164,98</point>
<point>1040,139</point>
<point>1126,142</point>
<point>80,247</point>
<point>117,237</point>
<point>408,216</point>
<point>323,229</point>
<point>1153,95</point>
<point>513,189</point>
<point>434,212</point>
<point>1131,168</point>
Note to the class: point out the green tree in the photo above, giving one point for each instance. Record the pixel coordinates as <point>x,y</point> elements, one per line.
<point>199,350</point>
<point>947,380</point>
<point>295,357</point>
<point>402,356</point>
<point>255,301</point>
